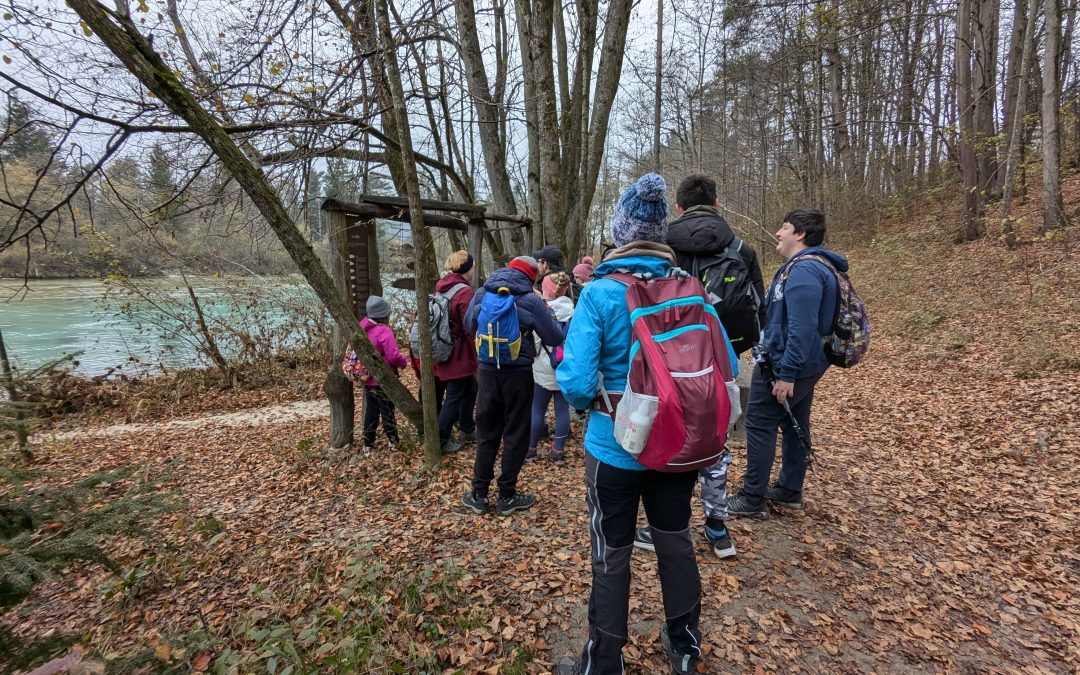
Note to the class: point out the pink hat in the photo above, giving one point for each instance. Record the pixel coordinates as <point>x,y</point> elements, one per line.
<point>549,287</point>
<point>585,268</point>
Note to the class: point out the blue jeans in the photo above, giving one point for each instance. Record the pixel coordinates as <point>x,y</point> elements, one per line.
<point>541,396</point>
<point>764,415</point>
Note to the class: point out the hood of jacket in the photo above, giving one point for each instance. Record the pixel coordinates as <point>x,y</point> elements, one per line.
<point>367,324</point>
<point>654,255</point>
<point>700,230</point>
<point>838,261</point>
<point>563,308</point>
<point>449,281</point>
<point>516,281</point>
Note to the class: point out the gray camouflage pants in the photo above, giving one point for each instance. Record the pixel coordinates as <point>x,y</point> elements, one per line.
<point>713,479</point>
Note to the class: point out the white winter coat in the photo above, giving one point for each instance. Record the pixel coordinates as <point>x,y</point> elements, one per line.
<point>543,373</point>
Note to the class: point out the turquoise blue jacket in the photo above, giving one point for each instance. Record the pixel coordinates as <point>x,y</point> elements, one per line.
<point>598,344</point>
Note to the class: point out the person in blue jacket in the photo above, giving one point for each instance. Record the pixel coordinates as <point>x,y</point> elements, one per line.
<point>799,307</point>
<point>505,389</point>
<point>597,351</point>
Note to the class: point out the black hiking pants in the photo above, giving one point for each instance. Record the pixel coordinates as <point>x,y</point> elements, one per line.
<point>613,495</point>
<point>377,405</point>
<point>764,415</point>
<point>457,407</point>
<point>503,406</point>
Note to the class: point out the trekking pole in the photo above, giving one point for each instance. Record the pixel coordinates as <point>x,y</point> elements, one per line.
<point>761,357</point>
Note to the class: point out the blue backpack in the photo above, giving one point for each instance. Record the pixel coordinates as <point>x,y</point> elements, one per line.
<point>498,335</point>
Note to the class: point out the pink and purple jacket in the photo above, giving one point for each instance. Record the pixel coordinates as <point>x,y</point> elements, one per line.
<point>383,338</point>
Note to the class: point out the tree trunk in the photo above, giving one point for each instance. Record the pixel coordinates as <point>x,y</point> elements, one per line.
<point>123,39</point>
<point>607,85</point>
<point>1013,84</point>
<point>985,95</point>
<point>338,389</point>
<point>1053,209</point>
<point>21,436</point>
<point>966,141</point>
<point>487,109</point>
<point>423,246</point>
<point>659,83</point>
<point>1016,118</point>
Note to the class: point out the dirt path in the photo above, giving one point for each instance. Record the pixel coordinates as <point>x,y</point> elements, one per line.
<point>274,414</point>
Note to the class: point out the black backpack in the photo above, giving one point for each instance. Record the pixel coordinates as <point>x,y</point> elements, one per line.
<point>727,281</point>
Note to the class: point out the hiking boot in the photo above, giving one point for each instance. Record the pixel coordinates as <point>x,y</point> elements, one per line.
<point>788,499</point>
<point>466,437</point>
<point>519,502</point>
<point>721,542</point>
<point>568,666</point>
<point>530,456</point>
<point>558,457</point>
<point>747,506</point>
<point>681,664</point>
<point>643,539</point>
<point>475,503</point>
<point>452,447</point>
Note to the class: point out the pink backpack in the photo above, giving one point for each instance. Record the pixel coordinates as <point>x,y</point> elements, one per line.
<point>673,415</point>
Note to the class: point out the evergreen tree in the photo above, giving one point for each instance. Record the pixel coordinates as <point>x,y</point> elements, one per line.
<point>24,136</point>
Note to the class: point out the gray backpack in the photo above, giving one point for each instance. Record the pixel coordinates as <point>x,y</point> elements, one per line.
<point>442,344</point>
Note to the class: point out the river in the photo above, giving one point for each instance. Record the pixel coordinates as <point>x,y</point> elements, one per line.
<point>116,331</point>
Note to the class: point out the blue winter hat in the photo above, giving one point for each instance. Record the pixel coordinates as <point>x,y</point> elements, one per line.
<point>641,213</point>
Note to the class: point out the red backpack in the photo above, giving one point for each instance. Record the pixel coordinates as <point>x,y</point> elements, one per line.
<point>673,415</point>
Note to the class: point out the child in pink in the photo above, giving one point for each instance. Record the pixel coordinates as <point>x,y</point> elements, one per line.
<point>376,403</point>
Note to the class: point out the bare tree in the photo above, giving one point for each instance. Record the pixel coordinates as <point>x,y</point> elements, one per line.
<point>1053,209</point>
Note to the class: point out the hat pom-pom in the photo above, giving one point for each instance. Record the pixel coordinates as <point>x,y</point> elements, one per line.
<point>587,260</point>
<point>650,187</point>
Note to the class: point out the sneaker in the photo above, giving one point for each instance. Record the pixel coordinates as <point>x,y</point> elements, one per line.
<point>452,447</point>
<point>643,539</point>
<point>475,503</point>
<point>745,506</point>
<point>530,455</point>
<point>721,542</point>
<point>680,663</point>
<point>786,498</point>
<point>558,457</point>
<point>519,502</point>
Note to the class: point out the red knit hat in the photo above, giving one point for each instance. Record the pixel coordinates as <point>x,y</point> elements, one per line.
<point>526,265</point>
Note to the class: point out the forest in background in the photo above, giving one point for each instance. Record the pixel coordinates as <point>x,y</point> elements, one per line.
<point>537,108</point>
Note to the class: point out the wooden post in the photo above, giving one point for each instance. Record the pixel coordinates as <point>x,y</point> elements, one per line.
<point>528,239</point>
<point>476,248</point>
<point>371,227</point>
<point>338,390</point>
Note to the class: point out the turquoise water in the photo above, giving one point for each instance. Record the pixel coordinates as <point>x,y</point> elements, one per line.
<point>45,320</point>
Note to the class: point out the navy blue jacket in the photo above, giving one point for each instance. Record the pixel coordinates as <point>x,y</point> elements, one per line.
<point>534,315</point>
<point>799,313</point>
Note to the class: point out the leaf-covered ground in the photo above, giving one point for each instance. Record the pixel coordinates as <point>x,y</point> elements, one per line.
<point>942,531</point>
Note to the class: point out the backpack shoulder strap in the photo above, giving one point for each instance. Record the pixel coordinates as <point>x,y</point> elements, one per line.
<point>452,291</point>
<point>623,276</point>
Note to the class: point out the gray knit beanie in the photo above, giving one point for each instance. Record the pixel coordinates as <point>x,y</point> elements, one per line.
<point>377,308</point>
